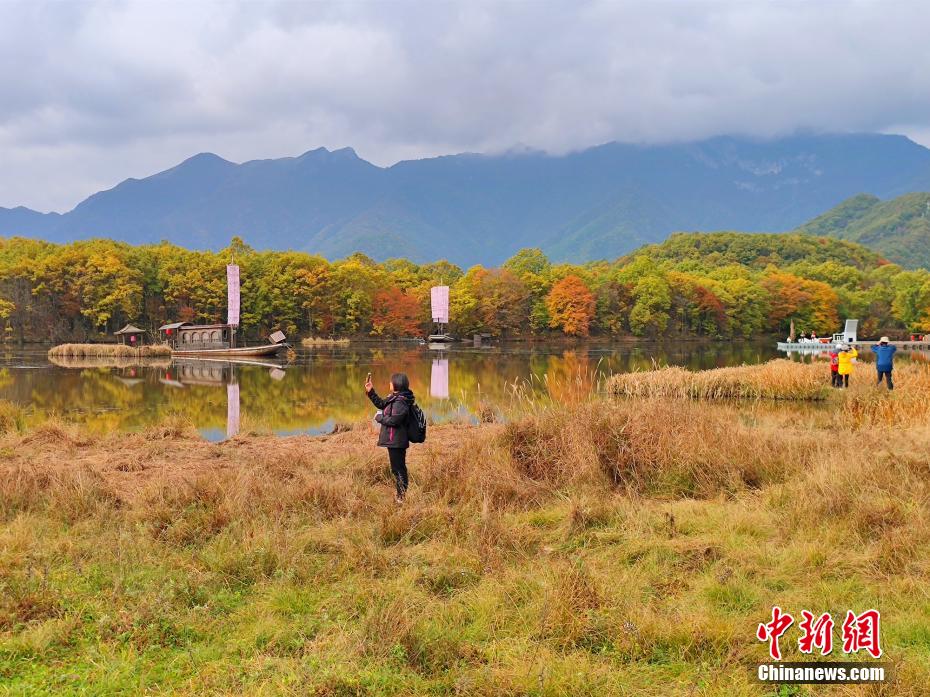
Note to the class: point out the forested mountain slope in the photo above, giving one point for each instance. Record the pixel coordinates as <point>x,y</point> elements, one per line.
<point>899,228</point>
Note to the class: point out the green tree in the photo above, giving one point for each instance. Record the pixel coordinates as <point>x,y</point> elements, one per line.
<point>652,300</point>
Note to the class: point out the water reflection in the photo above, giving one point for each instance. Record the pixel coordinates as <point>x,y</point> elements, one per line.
<point>323,386</point>
<point>232,409</point>
<point>439,379</point>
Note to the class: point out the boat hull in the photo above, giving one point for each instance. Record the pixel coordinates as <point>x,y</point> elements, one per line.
<point>239,352</point>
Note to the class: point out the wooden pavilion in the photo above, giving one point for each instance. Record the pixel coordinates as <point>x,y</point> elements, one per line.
<point>130,335</point>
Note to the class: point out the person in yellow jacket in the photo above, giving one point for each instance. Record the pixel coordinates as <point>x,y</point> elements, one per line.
<point>847,359</point>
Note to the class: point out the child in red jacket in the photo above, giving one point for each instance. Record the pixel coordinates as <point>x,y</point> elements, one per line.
<point>835,379</point>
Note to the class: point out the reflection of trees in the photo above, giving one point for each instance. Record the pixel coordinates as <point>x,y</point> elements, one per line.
<point>327,388</point>
<point>108,362</point>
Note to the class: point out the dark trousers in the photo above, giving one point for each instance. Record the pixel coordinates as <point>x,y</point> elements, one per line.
<point>843,380</point>
<point>398,457</point>
<point>835,379</point>
<point>887,375</point>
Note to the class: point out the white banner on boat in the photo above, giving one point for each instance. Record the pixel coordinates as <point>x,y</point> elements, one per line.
<point>439,379</point>
<point>439,297</point>
<point>232,286</point>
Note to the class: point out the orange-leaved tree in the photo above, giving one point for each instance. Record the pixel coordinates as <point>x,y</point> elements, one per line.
<point>571,306</point>
<point>395,313</point>
<point>811,303</point>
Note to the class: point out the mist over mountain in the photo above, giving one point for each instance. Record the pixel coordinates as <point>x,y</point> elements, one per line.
<point>598,203</point>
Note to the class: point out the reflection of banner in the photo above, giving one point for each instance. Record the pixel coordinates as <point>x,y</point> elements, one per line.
<point>439,379</point>
<point>232,288</point>
<point>232,409</point>
<point>439,296</point>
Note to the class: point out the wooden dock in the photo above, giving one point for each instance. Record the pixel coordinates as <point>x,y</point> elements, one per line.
<point>812,346</point>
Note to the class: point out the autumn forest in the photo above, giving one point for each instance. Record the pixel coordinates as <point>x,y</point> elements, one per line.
<point>719,285</point>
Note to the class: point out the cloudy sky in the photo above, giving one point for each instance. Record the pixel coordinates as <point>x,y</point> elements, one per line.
<point>94,92</point>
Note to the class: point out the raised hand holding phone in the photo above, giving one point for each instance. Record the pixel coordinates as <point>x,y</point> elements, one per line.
<point>368,384</point>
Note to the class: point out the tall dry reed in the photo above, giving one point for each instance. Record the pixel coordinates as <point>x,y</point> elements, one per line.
<point>870,405</point>
<point>108,350</point>
<point>777,379</point>
<point>653,446</point>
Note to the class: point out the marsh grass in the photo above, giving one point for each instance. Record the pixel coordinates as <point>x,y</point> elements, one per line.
<point>12,418</point>
<point>108,351</point>
<point>777,379</point>
<point>604,546</point>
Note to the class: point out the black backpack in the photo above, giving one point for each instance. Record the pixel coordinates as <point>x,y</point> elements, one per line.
<point>416,425</point>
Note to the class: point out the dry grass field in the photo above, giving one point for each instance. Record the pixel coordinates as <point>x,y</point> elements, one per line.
<point>623,545</point>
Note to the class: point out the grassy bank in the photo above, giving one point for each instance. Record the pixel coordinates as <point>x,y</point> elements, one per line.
<point>628,546</point>
<point>108,351</point>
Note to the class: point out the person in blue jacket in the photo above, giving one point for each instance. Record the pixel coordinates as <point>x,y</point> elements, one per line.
<point>884,363</point>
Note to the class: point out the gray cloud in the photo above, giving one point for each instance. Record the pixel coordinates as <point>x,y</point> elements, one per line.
<point>94,92</point>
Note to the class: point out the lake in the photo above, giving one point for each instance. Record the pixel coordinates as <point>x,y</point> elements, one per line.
<point>323,387</point>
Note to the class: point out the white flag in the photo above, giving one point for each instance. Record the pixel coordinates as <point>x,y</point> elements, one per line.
<point>439,297</point>
<point>232,286</point>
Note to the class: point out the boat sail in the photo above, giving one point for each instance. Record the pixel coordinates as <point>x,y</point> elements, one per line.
<point>439,302</point>
<point>187,339</point>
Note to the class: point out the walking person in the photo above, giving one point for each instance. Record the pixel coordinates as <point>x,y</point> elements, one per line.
<point>393,415</point>
<point>835,380</point>
<point>884,360</point>
<point>845,361</point>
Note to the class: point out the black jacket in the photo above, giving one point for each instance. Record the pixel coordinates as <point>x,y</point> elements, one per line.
<point>396,408</point>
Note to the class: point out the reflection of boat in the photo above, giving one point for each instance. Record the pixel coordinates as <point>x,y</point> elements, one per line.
<point>439,378</point>
<point>213,371</point>
<point>232,410</point>
<point>196,372</point>
<point>279,365</point>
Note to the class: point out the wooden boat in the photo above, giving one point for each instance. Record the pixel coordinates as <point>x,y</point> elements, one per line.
<point>228,352</point>
<point>215,340</point>
<point>219,340</point>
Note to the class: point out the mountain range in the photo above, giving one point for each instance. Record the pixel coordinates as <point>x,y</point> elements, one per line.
<point>601,202</point>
